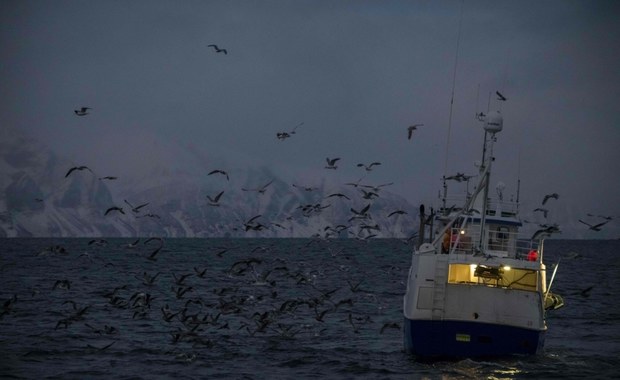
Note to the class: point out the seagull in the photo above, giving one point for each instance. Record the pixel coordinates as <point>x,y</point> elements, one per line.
<point>77,168</point>
<point>596,227</point>
<point>82,111</point>
<point>154,253</point>
<point>217,49</point>
<point>363,213</point>
<point>137,208</point>
<point>331,163</point>
<point>260,190</point>
<point>603,216</point>
<point>368,167</point>
<point>378,187</point>
<point>147,279</point>
<point>282,135</point>
<point>218,171</point>
<point>114,208</point>
<point>500,96</point>
<point>458,177</point>
<point>397,212</point>
<point>214,201</point>
<point>133,244</point>
<point>339,195</point>
<point>553,195</point>
<point>250,223</point>
<point>412,128</point>
<point>369,194</point>
<point>285,135</point>
<point>548,230</point>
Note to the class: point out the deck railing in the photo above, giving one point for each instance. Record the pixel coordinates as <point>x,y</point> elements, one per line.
<point>504,244</point>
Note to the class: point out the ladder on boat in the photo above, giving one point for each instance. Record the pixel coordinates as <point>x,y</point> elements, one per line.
<point>439,291</point>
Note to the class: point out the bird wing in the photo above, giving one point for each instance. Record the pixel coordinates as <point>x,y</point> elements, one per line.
<point>71,171</point>
<point>114,209</point>
<point>600,225</point>
<point>253,218</point>
<point>217,197</point>
<point>269,183</point>
<point>365,209</point>
<point>139,207</point>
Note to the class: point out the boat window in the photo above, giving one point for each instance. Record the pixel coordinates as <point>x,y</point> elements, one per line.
<point>498,238</point>
<point>505,277</point>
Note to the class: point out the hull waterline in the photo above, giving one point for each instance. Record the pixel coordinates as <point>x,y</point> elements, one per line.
<point>456,339</point>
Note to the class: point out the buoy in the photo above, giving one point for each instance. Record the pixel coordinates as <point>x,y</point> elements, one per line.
<point>532,255</point>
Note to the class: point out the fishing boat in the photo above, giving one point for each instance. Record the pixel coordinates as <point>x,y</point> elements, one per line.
<point>475,288</point>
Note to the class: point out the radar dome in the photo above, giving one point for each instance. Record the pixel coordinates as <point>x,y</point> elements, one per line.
<point>494,122</point>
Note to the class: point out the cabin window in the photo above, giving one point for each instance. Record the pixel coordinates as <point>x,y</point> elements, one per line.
<point>498,239</point>
<point>505,277</point>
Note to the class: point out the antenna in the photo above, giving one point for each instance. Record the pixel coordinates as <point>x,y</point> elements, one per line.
<point>518,176</point>
<point>456,60</point>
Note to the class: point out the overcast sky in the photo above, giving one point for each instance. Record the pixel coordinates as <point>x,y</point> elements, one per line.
<point>356,73</point>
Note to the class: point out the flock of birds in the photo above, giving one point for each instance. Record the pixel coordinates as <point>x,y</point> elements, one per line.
<point>548,229</point>
<point>367,192</point>
<point>242,289</point>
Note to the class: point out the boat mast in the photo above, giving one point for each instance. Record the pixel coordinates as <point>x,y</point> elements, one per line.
<point>485,193</point>
<point>456,61</point>
<point>493,124</point>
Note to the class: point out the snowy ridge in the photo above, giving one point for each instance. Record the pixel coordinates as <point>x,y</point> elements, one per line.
<point>38,200</point>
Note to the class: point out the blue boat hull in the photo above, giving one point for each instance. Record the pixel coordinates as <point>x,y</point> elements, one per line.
<point>460,339</point>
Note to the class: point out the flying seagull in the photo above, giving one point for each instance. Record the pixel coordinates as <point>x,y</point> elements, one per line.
<point>260,190</point>
<point>331,163</point>
<point>213,201</point>
<point>368,167</point>
<point>412,128</point>
<point>553,195</point>
<point>339,195</point>
<point>135,209</point>
<point>500,96</point>
<point>114,208</point>
<point>282,135</point>
<point>596,227</point>
<point>218,171</point>
<point>82,111</point>
<point>285,135</point>
<point>217,49</point>
<point>545,231</point>
<point>77,168</point>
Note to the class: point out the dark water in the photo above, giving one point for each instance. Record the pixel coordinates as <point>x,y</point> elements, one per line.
<point>258,334</point>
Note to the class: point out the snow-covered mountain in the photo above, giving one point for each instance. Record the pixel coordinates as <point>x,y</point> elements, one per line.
<point>38,199</point>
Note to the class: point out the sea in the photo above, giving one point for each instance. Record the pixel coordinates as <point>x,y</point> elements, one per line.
<point>267,309</point>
